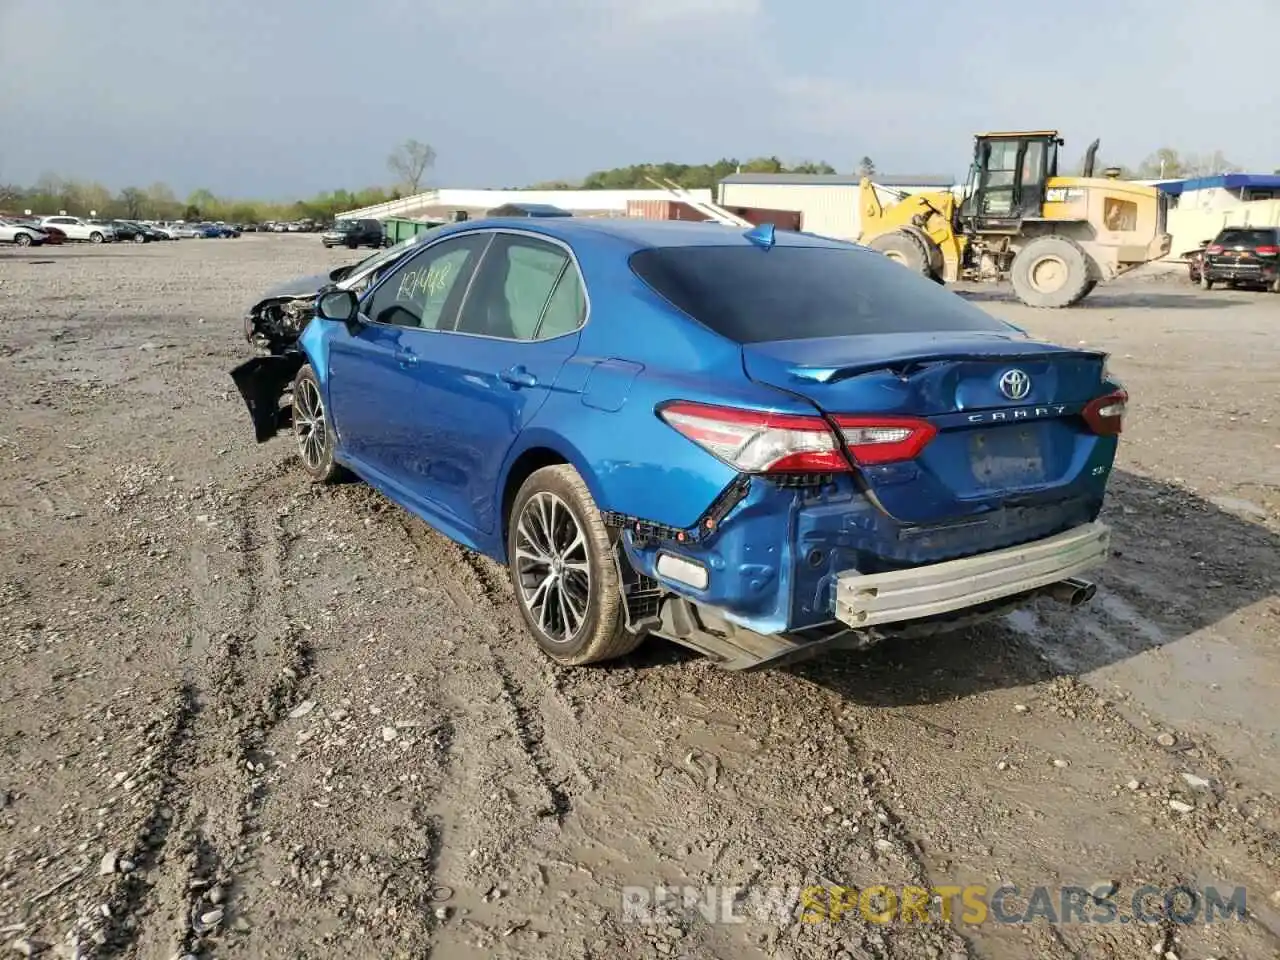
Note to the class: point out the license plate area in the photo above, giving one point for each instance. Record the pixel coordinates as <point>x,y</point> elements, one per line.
<point>1006,456</point>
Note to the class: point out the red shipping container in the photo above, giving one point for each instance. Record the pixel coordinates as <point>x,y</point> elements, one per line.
<point>781,219</point>
<point>662,209</point>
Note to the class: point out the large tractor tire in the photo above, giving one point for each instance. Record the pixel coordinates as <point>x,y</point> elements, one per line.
<point>1051,272</point>
<point>909,248</point>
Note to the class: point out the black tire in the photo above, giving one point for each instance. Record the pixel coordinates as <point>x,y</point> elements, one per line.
<point>139,238</point>
<point>97,237</point>
<point>1088,289</point>
<point>1063,284</point>
<point>23,239</point>
<point>1205,282</point>
<point>314,434</point>
<point>1274,285</point>
<point>557,498</point>
<point>906,248</point>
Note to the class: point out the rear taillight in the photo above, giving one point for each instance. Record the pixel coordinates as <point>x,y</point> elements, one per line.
<point>1213,248</point>
<point>755,441</point>
<point>1105,414</point>
<point>873,440</point>
<point>1267,251</point>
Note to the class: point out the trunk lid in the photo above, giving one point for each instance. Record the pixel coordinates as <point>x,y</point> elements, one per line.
<point>1022,445</point>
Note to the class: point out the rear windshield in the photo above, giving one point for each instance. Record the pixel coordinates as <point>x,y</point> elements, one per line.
<point>1246,238</point>
<point>798,293</point>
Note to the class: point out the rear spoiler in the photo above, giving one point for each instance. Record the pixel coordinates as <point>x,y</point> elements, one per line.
<point>907,362</point>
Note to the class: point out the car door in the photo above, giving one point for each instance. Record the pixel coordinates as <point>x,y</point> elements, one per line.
<point>373,390</point>
<point>488,378</point>
<point>70,226</point>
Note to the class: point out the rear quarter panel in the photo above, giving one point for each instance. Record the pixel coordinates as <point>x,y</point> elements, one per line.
<point>635,353</point>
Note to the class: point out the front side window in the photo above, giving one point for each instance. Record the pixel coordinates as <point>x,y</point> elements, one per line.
<point>425,290</point>
<point>515,287</point>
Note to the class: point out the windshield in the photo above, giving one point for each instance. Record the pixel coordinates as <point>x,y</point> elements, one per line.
<point>344,226</point>
<point>797,293</point>
<point>1246,238</point>
<point>376,260</point>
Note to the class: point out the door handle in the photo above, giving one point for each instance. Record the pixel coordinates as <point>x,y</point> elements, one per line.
<point>406,358</point>
<point>518,377</point>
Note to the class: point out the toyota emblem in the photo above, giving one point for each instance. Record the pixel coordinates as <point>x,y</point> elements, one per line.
<point>1015,384</point>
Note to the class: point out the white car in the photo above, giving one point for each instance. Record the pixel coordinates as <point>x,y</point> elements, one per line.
<point>77,228</point>
<point>24,235</point>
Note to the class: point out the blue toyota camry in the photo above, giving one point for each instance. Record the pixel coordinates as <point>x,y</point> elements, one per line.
<point>758,444</point>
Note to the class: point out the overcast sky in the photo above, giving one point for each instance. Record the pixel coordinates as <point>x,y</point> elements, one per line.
<point>279,98</point>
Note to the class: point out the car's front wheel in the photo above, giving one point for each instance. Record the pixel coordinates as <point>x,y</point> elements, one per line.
<point>23,239</point>
<point>560,556</point>
<point>312,428</point>
<point>97,237</point>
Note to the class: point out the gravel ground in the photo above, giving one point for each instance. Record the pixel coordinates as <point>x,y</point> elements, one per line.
<point>241,716</point>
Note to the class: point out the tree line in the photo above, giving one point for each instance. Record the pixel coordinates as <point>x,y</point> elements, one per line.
<point>52,194</point>
<point>411,160</point>
<point>1166,163</point>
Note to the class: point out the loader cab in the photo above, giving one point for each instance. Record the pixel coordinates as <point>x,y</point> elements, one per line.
<point>1007,179</point>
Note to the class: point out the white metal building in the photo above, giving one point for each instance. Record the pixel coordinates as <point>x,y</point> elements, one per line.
<point>432,202</point>
<point>827,202</point>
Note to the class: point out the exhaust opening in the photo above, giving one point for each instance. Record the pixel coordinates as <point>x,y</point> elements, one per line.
<point>1072,591</point>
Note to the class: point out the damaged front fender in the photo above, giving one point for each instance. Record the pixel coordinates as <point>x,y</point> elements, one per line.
<point>262,382</point>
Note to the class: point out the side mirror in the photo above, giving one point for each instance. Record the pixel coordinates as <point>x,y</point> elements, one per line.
<point>339,305</point>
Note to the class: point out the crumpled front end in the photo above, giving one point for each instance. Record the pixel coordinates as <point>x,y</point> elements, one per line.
<point>274,325</point>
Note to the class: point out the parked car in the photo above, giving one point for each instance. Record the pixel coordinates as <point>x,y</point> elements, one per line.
<point>185,231</point>
<point>80,229</point>
<point>274,323</point>
<point>528,210</point>
<point>1242,256</point>
<point>151,231</point>
<point>364,232</point>
<point>164,231</point>
<point>52,235</point>
<point>23,234</point>
<point>126,230</point>
<point>809,447</point>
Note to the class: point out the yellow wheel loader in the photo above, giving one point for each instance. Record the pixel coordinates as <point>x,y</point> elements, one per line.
<point>1055,238</point>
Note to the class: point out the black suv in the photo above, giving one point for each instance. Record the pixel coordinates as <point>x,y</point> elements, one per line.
<point>1243,256</point>
<point>365,232</point>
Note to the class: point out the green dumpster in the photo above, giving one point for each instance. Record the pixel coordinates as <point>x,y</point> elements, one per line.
<point>399,228</point>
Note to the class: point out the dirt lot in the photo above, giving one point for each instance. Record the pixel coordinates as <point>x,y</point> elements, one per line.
<point>240,716</point>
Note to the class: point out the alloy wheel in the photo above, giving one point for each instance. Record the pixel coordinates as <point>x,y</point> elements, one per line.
<point>309,423</point>
<point>553,567</point>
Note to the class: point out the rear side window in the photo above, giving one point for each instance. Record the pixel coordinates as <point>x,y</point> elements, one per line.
<point>518,279</point>
<point>1247,238</point>
<point>751,295</point>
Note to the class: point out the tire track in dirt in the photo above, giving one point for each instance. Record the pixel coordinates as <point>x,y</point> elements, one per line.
<point>476,589</point>
<point>244,665</point>
<point>1001,762</point>
<point>592,736</point>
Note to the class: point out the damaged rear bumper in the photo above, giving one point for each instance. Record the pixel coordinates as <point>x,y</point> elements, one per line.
<point>868,600</point>
<point>919,601</point>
